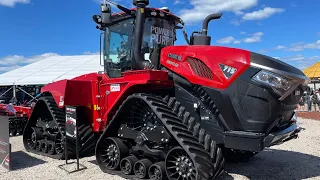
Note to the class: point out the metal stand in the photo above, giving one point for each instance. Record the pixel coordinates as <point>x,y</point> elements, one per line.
<point>77,154</point>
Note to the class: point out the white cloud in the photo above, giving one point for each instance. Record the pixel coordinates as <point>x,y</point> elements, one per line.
<point>300,46</point>
<point>254,38</point>
<point>91,53</point>
<point>15,61</point>
<point>236,42</point>
<point>242,32</point>
<point>293,5</point>
<point>280,47</point>
<point>178,2</point>
<point>226,40</point>
<point>300,61</point>
<point>277,58</point>
<point>235,22</point>
<point>12,3</point>
<point>262,14</point>
<point>262,51</point>
<point>294,58</point>
<point>201,8</point>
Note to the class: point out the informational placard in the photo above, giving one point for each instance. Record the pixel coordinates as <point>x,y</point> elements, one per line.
<point>5,148</point>
<point>71,122</point>
<point>72,134</point>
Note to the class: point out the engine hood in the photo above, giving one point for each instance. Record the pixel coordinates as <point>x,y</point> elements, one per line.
<point>279,67</point>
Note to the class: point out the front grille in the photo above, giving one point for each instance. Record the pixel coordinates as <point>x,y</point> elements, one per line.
<point>199,68</point>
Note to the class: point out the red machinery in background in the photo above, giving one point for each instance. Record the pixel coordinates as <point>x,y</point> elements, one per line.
<point>19,116</point>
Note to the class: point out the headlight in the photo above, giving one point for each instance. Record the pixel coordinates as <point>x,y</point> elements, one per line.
<point>278,83</point>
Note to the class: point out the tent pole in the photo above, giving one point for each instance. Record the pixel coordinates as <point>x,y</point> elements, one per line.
<point>26,92</point>
<point>14,91</point>
<point>6,91</point>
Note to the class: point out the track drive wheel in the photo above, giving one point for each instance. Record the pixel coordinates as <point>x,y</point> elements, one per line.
<point>158,171</point>
<point>141,168</point>
<point>112,153</point>
<point>127,164</point>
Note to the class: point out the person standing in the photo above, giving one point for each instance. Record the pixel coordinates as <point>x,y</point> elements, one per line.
<point>308,97</point>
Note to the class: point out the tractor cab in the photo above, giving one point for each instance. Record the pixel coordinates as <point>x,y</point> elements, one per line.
<point>133,39</point>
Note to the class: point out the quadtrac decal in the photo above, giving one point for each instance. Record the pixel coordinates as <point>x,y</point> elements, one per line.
<point>115,87</point>
<point>172,63</point>
<point>228,71</point>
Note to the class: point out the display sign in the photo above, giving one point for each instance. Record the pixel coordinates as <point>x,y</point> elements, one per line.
<point>5,148</point>
<point>71,122</point>
<point>71,132</point>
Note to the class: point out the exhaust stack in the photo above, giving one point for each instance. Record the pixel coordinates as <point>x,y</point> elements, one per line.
<point>138,61</point>
<point>204,39</point>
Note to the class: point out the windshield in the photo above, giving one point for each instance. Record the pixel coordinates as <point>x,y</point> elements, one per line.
<point>118,45</point>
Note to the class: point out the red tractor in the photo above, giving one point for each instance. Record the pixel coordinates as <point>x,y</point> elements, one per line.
<point>164,111</point>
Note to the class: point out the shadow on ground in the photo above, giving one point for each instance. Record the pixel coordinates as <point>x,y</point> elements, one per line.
<point>21,160</point>
<point>275,164</point>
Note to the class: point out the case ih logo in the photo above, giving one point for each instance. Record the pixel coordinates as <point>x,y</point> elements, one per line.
<point>175,56</point>
<point>228,71</point>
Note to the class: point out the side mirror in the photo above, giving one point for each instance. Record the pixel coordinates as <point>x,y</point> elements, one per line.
<point>97,19</point>
<point>185,35</point>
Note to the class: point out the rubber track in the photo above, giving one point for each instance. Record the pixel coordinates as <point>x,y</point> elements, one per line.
<point>229,155</point>
<point>85,132</point>
<point>205,98</point>
<point>182,134</point>
<point>205,139</point>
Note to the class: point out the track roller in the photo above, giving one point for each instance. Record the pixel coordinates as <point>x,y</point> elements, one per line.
<point>44,147</point>
<point>115,151</point>
<point>51,149</point>
<point>158,171</point>
<point>127,164</point>
<point>141,168</point>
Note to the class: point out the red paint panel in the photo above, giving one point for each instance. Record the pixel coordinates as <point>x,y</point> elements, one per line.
<point>57,89</point>
<point>212,56</point>
<point>90,91</point>
<point>79,93</point>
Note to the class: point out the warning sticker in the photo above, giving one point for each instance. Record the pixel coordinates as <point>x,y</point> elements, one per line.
<point>114,87</point>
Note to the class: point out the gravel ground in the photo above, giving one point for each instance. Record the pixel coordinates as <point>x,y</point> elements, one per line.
<point>296,159</point>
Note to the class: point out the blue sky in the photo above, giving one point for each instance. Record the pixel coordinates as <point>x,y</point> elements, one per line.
<point>287,29</point>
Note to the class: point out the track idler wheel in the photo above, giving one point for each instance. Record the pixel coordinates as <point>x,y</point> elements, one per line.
<point>179,165</point>
<point>158,171</point>
<point>141,168</point>
<point>112,153</point>
<point>127,164</point>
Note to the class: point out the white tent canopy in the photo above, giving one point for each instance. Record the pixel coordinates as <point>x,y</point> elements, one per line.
<point>52,69</point>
